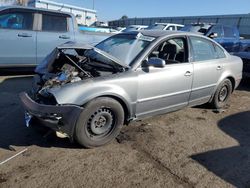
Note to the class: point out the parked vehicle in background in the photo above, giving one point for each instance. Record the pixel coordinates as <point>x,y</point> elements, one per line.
<point>98,27</point>
<point>87,93</point>
<point>27,35</point>
<point>228,37</point>
<point>103,29</point>
<point>165,26</point>
<point>134,28</point>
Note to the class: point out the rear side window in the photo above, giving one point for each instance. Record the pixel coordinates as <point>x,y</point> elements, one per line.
<point>202,49</point>
<point>219,52</point>
<point>17,20</point>
<point>54,23</point>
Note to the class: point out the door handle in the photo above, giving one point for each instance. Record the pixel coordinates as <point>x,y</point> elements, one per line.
<point>64,37</point>
<point>188,73</point>
<point>219,67</point>
<point>24,35</point>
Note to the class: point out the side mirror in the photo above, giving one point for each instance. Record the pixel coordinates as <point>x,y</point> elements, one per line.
<point>156,62</point>
<point>213,35</point>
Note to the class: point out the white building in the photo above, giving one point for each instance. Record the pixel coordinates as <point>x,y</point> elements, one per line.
<point>13,2</point>
<point>83,16</point>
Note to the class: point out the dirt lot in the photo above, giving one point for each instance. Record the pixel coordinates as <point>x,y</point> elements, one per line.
<point>194,147</point>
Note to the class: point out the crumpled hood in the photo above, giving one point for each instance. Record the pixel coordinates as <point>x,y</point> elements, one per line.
<point>46,65</point>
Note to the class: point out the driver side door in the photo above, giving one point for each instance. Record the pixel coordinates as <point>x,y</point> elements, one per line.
<point>165,89</point>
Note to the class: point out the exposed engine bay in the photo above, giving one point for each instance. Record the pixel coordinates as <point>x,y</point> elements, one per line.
<point>68,65</point>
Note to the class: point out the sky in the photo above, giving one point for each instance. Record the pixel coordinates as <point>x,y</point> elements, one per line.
<point>108,10</point>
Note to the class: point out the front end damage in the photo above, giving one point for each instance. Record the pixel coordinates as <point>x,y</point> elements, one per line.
<point>63,66</point>
<point>59,118</point>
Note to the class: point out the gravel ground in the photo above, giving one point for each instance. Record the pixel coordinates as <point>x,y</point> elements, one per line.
<point>194,147</point>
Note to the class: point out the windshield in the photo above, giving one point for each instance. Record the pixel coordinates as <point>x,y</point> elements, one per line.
<point>156,26</point>
<point>125,47</point>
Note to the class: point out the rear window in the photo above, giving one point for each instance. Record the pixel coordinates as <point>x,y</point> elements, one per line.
<point>54,23</point>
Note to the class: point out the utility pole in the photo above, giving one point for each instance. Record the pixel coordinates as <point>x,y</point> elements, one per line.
<point>93,4</point>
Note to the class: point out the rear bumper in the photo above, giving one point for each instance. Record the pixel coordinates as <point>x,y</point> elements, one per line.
<point>59,118</point>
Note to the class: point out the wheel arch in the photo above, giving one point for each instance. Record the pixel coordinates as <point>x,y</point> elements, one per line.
<point>127,113</point>
<point>232,80</point>
<point>126,108</point>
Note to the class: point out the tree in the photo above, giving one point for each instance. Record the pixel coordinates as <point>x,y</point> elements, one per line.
<point>124,17</point>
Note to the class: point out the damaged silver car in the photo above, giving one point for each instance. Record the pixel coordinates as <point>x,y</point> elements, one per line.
<point>88,93</point>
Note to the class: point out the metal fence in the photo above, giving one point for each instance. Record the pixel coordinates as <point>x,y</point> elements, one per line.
<point>242,21</point>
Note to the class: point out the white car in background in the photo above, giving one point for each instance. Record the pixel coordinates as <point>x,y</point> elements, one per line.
<point>165,26</point>
<point>134,28</point>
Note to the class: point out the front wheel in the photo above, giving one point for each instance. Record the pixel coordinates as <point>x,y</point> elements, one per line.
<point>99,123</point>
<point>222,94</point>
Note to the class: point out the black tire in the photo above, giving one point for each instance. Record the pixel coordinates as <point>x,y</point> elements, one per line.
<point>222,94</point>
<point>99,123</point>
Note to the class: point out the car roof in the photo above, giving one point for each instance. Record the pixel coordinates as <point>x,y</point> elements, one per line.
<point>34,9</point>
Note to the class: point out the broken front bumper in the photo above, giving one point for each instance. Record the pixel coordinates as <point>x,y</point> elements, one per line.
<point>59,118</point>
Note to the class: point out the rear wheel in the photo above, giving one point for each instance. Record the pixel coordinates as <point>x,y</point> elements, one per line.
<point>99,123</point>
<point>222,94</point>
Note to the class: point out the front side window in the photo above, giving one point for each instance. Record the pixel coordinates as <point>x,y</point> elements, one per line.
<point>125,47</point>
<point>172,51</point>
<point>202,49</point>
<point>17,20</point>
<point>54,23</point>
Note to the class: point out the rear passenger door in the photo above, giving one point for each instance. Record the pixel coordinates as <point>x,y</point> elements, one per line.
<point>54,29</point>
<point>18,39</point>
<point>208,61</point>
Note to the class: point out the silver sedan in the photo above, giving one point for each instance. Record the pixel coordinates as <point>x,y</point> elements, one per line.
<point>88,93</point>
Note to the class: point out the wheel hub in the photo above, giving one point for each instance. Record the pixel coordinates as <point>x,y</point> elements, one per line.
<point>223,94</point>
<point>101,121</point>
